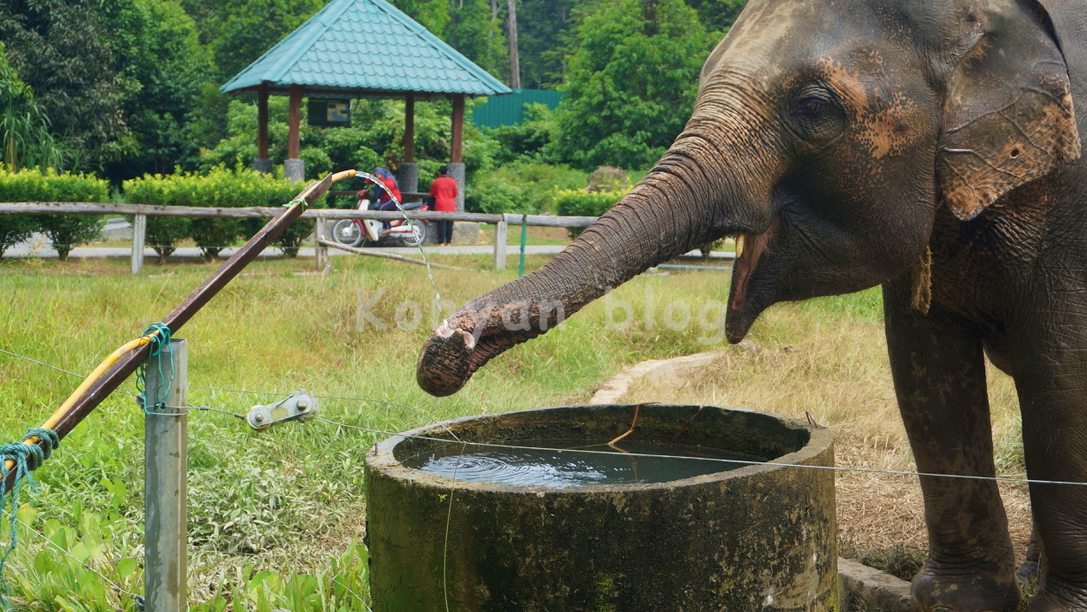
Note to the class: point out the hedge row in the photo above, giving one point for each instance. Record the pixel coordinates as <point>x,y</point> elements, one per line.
<point>220,188</point>
<point>64,231</point>
<point>574,203</point>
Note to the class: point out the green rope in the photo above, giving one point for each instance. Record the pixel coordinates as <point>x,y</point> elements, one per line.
<point>166,375</point>
<point>301,201</point>
<point>27,458</point>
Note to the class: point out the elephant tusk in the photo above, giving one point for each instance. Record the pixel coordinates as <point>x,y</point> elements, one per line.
<point>739,246</point>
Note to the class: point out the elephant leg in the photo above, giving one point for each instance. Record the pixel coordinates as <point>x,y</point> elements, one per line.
<point>1054,439</point>
<point>939,376</point>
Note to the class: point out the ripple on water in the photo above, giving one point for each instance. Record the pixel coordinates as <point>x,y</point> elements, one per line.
<point>561,465</point>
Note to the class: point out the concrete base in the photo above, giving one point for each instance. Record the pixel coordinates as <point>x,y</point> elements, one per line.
<point>263,165</point>
<point>294,169</point>
<point>466,233</point>
<point>407,177</point>
<point>756,538</point>
<point>865,588</point>
<point>456,172</point>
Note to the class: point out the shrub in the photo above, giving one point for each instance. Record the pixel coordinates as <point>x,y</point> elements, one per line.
<point>529,139</point>
<point>64,231</point>
<point>219,188</point>
<point>522,187</point>
<point>495,195</point>
<point>608,178</point>
<point>317,163</point>
<point>163,233</point>
<point>573,203</point>
<point>14,229</point>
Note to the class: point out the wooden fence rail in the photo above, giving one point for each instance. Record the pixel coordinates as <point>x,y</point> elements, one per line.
<point>140,212</point>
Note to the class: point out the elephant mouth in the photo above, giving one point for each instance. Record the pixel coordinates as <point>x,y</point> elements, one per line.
<point>750,250</point>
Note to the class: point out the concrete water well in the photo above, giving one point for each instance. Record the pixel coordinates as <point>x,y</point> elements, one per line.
<point>756,537</point>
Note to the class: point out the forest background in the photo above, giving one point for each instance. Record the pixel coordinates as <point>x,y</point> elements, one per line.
<point>124,88</point>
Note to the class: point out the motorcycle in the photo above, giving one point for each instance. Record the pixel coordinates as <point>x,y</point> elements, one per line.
<point>395,232</point>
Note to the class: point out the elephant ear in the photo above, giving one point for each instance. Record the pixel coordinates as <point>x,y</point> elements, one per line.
<point>1008,116</point>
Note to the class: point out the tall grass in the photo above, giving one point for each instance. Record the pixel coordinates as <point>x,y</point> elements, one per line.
<point>275,518</point>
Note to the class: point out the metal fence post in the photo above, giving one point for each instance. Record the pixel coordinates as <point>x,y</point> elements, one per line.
<point>165,467</point>
<point>500,244</point>
<point>139,233</point>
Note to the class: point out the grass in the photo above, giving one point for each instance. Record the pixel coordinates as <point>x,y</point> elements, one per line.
<point>275,518</point>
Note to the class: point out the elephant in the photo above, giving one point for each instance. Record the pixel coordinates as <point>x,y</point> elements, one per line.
<point>930,147</point>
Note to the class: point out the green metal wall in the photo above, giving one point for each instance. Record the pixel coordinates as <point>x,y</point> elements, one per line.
<point>508,110</point>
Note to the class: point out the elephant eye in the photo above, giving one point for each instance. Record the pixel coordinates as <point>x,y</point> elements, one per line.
<point>811,107</point>
<point>816,113</point>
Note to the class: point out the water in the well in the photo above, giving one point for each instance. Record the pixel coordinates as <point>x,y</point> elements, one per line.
<point>558,465</point>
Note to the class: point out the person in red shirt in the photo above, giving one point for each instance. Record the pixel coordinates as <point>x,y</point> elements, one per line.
<point>384,201</point>
<point>444,190</point>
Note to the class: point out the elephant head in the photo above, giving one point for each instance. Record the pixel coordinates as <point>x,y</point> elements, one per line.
<point>825,136</point>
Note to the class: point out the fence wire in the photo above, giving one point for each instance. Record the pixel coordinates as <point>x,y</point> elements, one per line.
<point>1019,480</point>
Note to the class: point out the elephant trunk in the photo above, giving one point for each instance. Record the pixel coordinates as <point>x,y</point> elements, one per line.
<point>686,201</point>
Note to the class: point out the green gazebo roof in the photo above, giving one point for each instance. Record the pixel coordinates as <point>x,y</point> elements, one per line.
<point>365,46</point>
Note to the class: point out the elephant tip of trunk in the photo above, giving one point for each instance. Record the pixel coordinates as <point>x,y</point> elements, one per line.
<point>445,363</point>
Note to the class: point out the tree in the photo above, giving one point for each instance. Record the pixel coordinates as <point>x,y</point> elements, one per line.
<point>251,27</point>
<point>511,34</point>
<point>544,37</point>
<point>476,32</point>
<point>24,128</point>
<point>631,81</point>
<point>59,49</point>
<point>117,80</point>
<point>718,14</point>
<point>433,15</point>
<point>163,69</point>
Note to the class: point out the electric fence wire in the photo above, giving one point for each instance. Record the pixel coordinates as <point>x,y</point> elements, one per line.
<point>381,432</point>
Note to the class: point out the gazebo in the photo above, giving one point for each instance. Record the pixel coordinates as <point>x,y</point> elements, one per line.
<point>362,48</point>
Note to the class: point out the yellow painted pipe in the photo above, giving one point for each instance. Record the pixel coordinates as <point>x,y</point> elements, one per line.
<point>98,373</point>
<point>346,174</point>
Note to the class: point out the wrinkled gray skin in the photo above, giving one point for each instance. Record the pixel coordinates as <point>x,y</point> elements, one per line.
<point>844,140</point>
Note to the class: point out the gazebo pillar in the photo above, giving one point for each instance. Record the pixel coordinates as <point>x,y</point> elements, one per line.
<point>293,168</point>
<point>408,178</point>
<point>262,163</point>
<point>456,165</point>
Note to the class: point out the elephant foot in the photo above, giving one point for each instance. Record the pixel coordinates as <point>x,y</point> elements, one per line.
<point>1057,598</point>
<point>937,590</point>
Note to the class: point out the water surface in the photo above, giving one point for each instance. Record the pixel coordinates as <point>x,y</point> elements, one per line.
<point>563,466</point>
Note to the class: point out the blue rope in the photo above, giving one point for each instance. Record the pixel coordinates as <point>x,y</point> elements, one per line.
<point>159,341</point>
<point>27,458</point>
